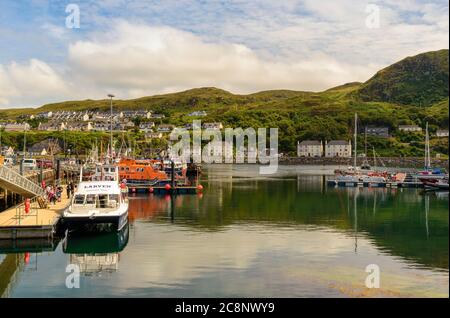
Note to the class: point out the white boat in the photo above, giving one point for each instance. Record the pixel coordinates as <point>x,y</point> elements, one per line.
<point>98,200</point>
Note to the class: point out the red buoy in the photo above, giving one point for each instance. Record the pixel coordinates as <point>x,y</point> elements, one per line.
<point>199,187</point>
<point>151,190</point>
<point>26,257</point>
<point>167,187</point>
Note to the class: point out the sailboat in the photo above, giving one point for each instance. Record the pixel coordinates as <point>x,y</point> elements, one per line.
<point>430,177</point>
<point>354,174</point>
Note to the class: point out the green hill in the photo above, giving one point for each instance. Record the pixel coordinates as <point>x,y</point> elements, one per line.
<point>389,98</point>
<point>420,80</point>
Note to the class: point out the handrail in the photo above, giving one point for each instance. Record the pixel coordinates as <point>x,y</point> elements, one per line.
<point>21,181</point>
<point>34,207</point>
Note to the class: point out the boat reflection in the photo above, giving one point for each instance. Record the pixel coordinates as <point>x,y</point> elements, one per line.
<point>96,254</point>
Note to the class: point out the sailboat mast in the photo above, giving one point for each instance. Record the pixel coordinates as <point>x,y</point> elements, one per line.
<point>427,149</point>
<point>356,132</point>
<point>365,141</point>
<point>374,158</point>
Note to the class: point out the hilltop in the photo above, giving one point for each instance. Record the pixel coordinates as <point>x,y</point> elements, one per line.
<point>420,80</point>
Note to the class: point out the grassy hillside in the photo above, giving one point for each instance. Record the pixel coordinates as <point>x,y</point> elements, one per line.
<point>390,99</point>
<point>420,80</point>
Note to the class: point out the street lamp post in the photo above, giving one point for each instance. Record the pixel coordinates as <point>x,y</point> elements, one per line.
<point>24,141</point>
<point>111,125</point>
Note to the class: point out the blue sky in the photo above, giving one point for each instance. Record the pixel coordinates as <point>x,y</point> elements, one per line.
<point>137,48</point>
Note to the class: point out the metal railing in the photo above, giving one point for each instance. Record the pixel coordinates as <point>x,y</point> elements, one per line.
<point>34,210</point>
<point>11,176</point>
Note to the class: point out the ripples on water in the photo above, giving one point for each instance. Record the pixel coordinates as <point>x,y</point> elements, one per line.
<point>284,235</point>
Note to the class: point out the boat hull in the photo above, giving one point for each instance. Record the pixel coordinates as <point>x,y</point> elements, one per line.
<point>118,220</point>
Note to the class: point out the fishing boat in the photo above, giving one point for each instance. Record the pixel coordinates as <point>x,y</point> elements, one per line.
<point>98,200</point>
<point>180,167</point>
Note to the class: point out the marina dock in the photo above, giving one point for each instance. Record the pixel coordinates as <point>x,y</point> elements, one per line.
<point>39,222</point>
<point>412,184</point>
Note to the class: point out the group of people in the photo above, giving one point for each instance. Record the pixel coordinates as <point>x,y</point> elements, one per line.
<point>53,193</point>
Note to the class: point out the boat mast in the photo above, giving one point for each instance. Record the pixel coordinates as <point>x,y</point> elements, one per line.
<point>365,142</point>
<point>356,129</point>
<point>374,157</point>
<point>111,125</point>
<point>427,149</point>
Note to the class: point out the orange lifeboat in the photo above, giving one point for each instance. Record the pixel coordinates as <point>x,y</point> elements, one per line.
<point>140,172</point>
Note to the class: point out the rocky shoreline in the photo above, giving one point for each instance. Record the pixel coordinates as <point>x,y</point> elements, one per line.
<point>405,162</point>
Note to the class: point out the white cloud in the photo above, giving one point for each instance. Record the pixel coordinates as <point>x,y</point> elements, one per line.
<point>155,59</point>
<point>240,46</point>
<point>28,83</point>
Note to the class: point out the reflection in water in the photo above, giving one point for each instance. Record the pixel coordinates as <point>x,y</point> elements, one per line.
<point>96,253</point>
<point>257,236</point>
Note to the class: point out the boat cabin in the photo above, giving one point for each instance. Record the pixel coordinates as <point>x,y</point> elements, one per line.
<point>101,196</point>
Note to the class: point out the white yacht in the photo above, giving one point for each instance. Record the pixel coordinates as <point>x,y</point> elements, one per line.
<point>98,200</point>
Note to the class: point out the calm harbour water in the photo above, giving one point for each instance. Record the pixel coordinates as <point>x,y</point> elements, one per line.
<point>247,235</point>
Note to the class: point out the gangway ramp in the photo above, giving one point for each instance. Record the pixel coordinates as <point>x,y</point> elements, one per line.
<point>15,182</point>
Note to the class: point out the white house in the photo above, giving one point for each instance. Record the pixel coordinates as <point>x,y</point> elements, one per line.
<point>410,128</point>
<point>17,127</point>
<point>442,133</point>
<point>153,135</point>
<point>192,125</point>
<point>199,113</point>
<point>80,126</point>
<point>146,127</point>
<point>212,126</point>
<point>338,148</point>
<point>310,148</point>
<point>165,128</point>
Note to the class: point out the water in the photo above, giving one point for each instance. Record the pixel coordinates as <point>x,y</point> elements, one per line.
<point>287,235</point>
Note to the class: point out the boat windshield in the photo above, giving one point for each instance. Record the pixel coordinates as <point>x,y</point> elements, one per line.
<point>99,201</point>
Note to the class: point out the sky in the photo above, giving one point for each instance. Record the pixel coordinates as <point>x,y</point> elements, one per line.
<point>135,48</point>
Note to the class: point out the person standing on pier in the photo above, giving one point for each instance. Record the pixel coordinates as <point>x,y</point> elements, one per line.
<point>69,189</point>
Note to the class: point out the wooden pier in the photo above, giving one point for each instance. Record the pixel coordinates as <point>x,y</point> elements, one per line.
<point>39,222</point>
